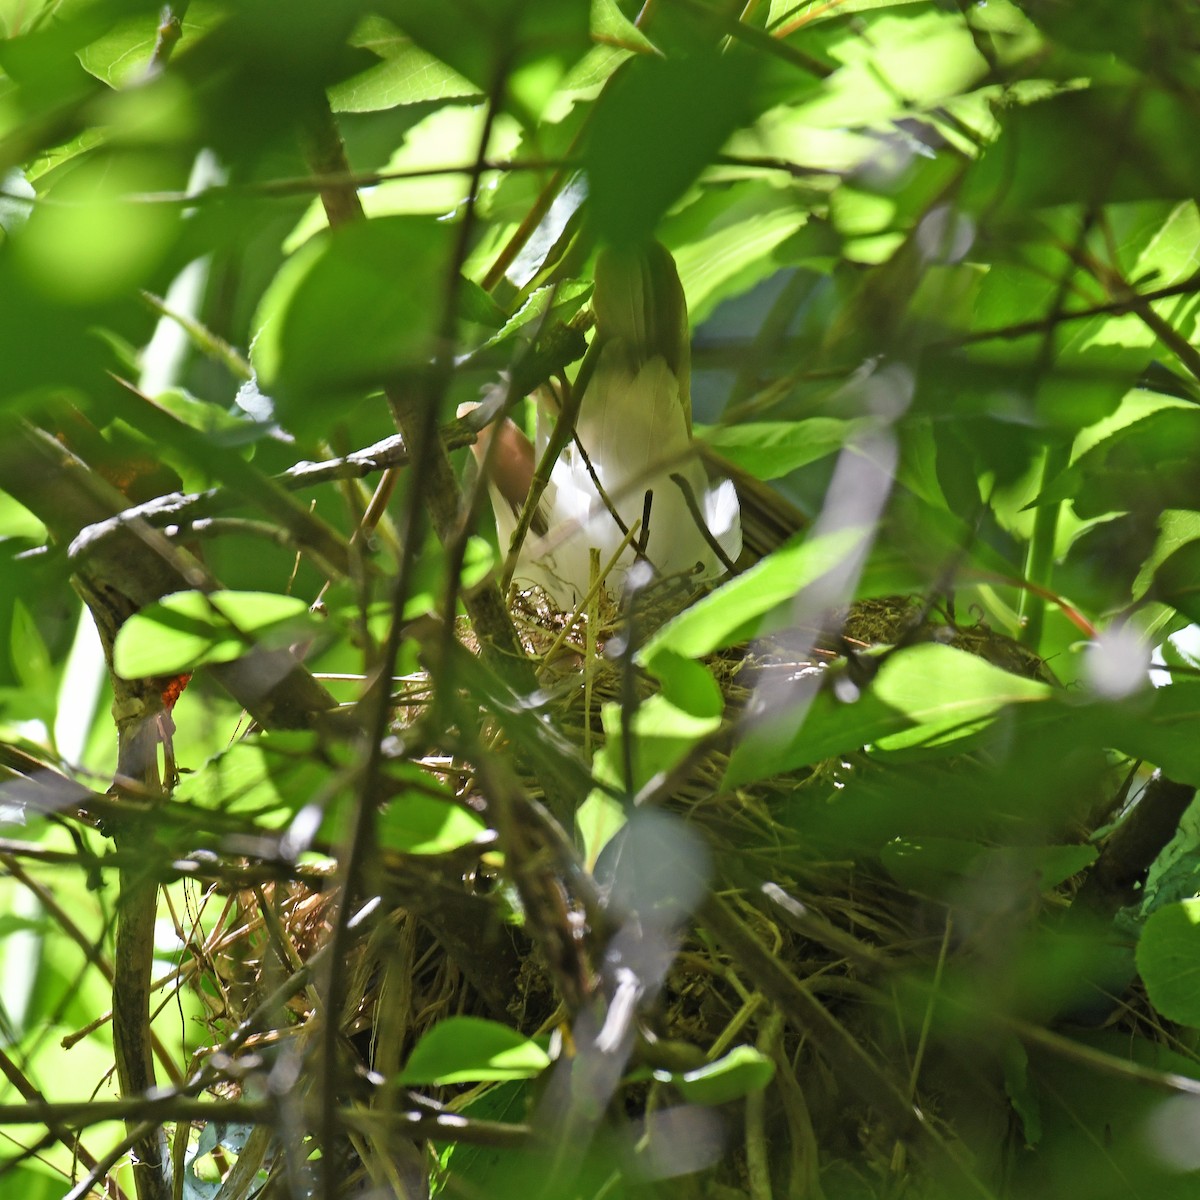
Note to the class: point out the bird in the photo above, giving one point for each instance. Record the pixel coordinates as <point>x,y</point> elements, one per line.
<point>630,485</point>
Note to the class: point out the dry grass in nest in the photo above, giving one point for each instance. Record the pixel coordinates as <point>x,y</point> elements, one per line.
<point>843,931</point>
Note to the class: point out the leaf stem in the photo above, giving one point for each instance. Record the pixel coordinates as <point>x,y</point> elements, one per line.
<point>1039,560</point>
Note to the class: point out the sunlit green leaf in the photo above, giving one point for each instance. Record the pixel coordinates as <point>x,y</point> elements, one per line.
<point>531,43</point>
<point>415,823</point>
<point>740,1072</point>
<point>743,607</point>
<point>933,690</point>
<point>269,776</point>
<point>406,75</point>
<point>729,238</point>
<point>688,685</point>
<point>768,450</point>
<point>471,1050</point>
<point>661,734</point>
<point>610,24</point>
<point>97,238</point>
<point>122,56</point>
<point>599,818</point>
<point>916,62</point>
<point>189,629</point>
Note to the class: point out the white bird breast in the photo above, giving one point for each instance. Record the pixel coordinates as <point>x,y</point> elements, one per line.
<point>634,430</point>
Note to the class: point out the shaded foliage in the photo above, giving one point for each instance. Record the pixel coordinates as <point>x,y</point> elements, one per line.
<point>334,863</point>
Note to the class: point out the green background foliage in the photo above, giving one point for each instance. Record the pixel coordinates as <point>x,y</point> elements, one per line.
<point>941,262</point>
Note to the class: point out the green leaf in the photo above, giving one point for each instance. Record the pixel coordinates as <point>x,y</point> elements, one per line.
<point>688,685</point>
<point>564,300</point>
<point>475,1165</point>
<point>1177,580</point>
<point>11,923</point>
<point>1157,725</point>
<point>417,823</point>
<point>30,657</point>
<point>914,62</point>
<point>770,449</point>
<point>122,56</point>
<point>600,817</point>
<point>422,185</point>
<point>941,866</point>
<point>741,1072</point>
<point>473,1050</point>
<point>781,10</point>
<point>744,607</point>
<point>662,734</point>
<point>479,558</point>
<point>407,75</point>
<point>1149,465</point>
<point>610,24</point>
<point>1021,1092</point>
<point>528,43</point>
<point>188,629</point>
<point>655,128</point>
<point>1059,151</point>
<point>35,1182</point>
<point>730,237</point>
<point>1176,528</point>
<point>351,309</point>
<point>663,729</point>
<point>1168,959</point>
<point>932,689</point>
<point>268,775</point>
<point>223,427</point>
<point>16,521</point>
<point>95,240</point>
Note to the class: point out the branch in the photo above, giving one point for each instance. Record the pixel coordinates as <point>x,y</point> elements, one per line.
<point>124,564</point>
<point>416,1124</point>
<point>434,478</point>
<point>1137,841</point>
<point>117,572</point>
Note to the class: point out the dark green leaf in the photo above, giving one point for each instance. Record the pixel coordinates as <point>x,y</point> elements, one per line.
<point>351,309</point>
<point>1114,143</point>
<point>1149,465</point>
<point>525,44</point>
<point>940,866</point>
<point>1177,580</point>
<point>656,127</point>
<point>1155,724</point>
<point>1168,959</point>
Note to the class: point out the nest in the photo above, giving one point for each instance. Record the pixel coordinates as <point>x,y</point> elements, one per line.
<point>838,932</point>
